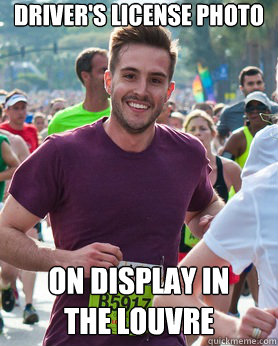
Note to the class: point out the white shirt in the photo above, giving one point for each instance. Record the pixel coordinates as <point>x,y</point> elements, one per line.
<point>246,231</point>
<point>263,150</point>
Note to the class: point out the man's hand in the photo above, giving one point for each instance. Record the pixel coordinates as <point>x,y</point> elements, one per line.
<point>199,221</point>
<point>94,255</point>
<point>21,251</point>
<point>205,222</point>
<point>264,320</point>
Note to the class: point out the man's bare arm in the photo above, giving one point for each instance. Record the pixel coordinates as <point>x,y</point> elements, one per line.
<point>18,145</point>
<point>18,249</point>
<point>10,159</point>
<point>21,148</point>
<point>232,174</point>
<point>199,221</point>
<point>224,325</point>
<point>235,144</point>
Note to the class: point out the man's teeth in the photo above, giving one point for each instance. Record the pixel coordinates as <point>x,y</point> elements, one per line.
<point>137,105</point>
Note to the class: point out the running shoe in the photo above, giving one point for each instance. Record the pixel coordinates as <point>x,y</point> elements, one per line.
<point>30,315</point>
<point>8,299</point>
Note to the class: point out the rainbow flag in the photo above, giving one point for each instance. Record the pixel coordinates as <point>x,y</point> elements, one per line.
<point>206,81</point>
<point>198,91</point>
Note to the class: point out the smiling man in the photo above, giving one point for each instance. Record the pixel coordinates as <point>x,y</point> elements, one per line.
<point>118,189</point>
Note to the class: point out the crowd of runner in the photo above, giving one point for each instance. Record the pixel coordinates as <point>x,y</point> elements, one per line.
<point>225,131</point>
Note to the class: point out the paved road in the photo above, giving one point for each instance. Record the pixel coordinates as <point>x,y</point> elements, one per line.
<point>18,334</point>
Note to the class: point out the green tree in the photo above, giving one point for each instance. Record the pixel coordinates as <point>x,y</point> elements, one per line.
<point>237,46</point>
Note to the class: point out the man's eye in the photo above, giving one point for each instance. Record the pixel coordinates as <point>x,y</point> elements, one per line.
<point>156,81</point>
<point>129,76</point>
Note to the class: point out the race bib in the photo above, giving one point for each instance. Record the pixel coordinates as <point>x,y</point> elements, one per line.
<point>115,301</point>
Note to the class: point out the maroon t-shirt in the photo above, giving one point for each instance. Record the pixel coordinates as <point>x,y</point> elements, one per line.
<point>96,192</point>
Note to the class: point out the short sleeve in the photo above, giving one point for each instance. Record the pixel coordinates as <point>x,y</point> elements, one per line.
<point>4,138</point>
<point>51,126</point>
<point>56,124</point>
<point>232,234</point>
<point>203,192</point>
<point>37,183</point>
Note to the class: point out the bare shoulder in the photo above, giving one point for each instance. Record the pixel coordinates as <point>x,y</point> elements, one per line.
<point>236,137</point>
<point>12,137</point>
<point>237,134</point>
<point>236,144</point>
<point>230,165</point>
<point>7,134</point>
<point>232,172</point>
<point>18,140</point>
<point>20,147</point>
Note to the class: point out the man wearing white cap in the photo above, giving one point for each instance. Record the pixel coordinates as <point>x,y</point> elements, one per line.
<point>16,110</point>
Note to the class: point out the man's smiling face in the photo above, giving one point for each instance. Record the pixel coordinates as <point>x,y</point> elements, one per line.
<point>139,86</point>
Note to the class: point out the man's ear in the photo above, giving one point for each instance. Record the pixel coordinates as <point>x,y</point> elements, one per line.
<point>84,76</point>
<point>171,88</point>
<point>108,81</point>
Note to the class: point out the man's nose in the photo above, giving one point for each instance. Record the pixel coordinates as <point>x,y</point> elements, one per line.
<point>197,133</point>
<point>141,87</point>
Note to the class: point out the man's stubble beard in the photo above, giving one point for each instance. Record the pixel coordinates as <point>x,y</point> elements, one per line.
<point>117,112</point>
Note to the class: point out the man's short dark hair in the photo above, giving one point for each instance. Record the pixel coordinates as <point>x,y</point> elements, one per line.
<point>203,106</point>
<point>84,59</point>
<point>57,99</point>
<point>154,36</point>
<point>14,92</point>
<point>249,71</point>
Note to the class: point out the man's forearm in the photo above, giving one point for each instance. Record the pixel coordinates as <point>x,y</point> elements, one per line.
<point>224,325</point>
<point>26,253</point>
<point>199,228</point>
<point>7,174</point>
<point>23,252</point>
<point>18,249</point>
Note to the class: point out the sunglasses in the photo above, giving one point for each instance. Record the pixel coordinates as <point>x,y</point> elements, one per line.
<point>269,118</point>
<point>259,108</point>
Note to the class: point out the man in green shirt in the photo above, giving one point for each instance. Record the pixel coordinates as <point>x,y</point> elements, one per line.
<point>90,66</point>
